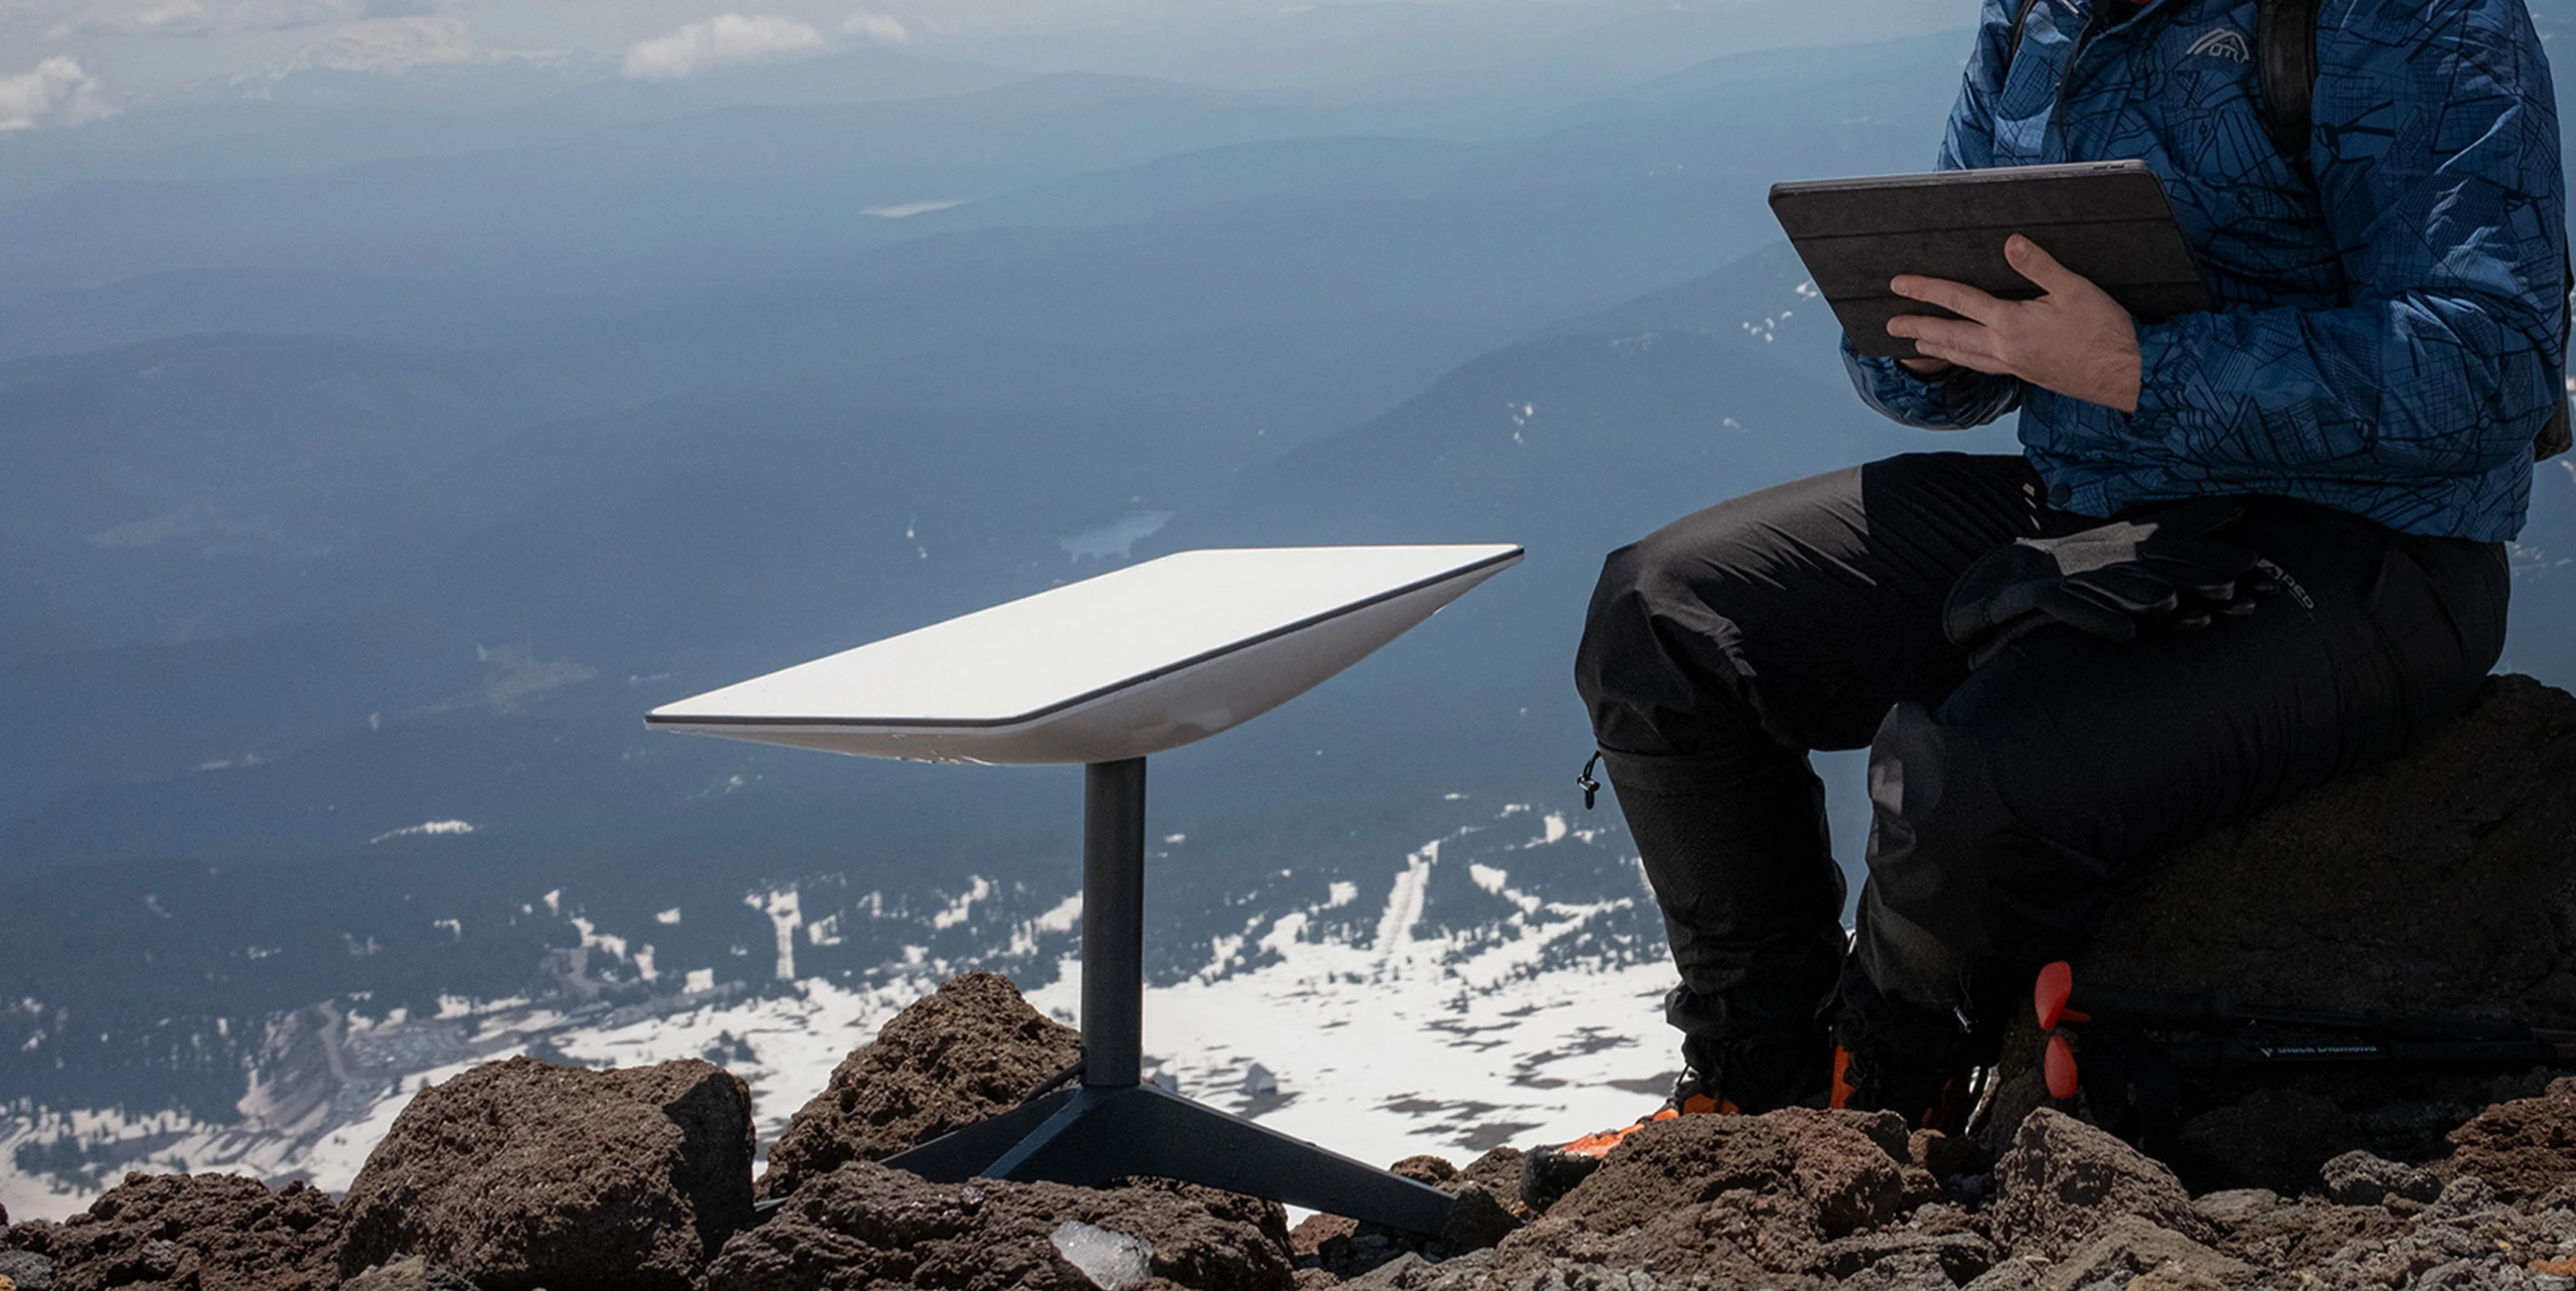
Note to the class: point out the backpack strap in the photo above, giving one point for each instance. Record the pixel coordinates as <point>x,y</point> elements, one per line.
<point>2021,19</point>
<point>2285,40</point>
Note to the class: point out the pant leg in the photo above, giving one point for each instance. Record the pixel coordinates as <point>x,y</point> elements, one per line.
<point>1717,652</point>
<point>2002,813</point>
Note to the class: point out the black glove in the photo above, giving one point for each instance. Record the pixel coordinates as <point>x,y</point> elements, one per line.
<point>2161,569</point>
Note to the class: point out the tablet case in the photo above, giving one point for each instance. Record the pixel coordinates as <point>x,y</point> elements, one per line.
<point>2106,220</point>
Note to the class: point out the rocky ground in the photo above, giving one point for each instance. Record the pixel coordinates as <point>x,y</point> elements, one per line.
<point>521,1175</point>
<point>2442,882</point>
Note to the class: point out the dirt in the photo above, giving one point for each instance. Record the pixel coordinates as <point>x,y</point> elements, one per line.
<point>203,1232</point>
<point>970,1049</point>
<point>864,1225</point>
<point>521,1174</point>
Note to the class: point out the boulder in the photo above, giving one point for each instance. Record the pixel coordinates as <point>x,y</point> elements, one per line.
<point>865,1225</point>
<point>970,1049</point>
<point>180,1232</point>
<point>520,1175</point>
<point>2524,1148</point>
<point>2064,1181</point>
<point>1750,1198</point>
<point>2440,882</point>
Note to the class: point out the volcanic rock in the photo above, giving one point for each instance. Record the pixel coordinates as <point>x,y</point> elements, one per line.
<point>2129,1247</point>
<point>1498,1172</point>
<point>864,1225</point>
<point>520,1175</point>
<point>2065,1181</point>
<point>203,1232</point>
<point>2360,1179</point>
<point>970,1049</point>
<point>27,1271</point>
<point>2467,1238</point>
<point>2439,883</point>
<point>411,1273</point>
<point>1411,1272</point>
<point>1958,1257</point>
<point>1484,1213</point>
<point>1737,1198</point>
<point>2525,1148</point>
<point>2291,1235</point>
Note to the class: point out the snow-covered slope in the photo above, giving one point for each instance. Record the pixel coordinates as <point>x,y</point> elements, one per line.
<point>1418,1030</point>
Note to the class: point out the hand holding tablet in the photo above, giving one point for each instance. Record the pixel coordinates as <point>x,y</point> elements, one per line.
<point>2098,246</point>
<point>2073,339</point>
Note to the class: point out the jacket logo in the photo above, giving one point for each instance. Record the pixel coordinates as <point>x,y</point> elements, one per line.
<point>2226,43</point>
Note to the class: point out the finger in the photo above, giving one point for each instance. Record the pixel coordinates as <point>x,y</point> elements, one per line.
<point>2043,270</point>
<point>1957,297</point>
<point>1967,344</point>
<point>1969,362</point>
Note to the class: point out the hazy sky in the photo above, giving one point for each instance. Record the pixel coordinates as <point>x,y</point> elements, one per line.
<point>66,62</point>
<point>62,60</point>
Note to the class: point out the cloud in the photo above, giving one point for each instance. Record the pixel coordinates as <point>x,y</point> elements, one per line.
<point>726,38</point>
<point>392,44</point>
<point>875,27</point>
<point>58,93</point>
<point>230,17</point>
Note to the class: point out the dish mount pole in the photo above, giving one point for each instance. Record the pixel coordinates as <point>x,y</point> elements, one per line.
<point>1113,1125</point>
<point>1113,924</point>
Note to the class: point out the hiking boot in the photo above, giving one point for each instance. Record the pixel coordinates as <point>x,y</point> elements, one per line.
<point>1890,1055</point>
<point>1548,1173</point>
<point>1946,1109</point>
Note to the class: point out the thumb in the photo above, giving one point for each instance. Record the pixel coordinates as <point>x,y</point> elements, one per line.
<point>2040,267</point>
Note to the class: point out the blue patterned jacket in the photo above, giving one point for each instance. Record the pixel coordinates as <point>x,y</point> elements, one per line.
<point>2385,340</point>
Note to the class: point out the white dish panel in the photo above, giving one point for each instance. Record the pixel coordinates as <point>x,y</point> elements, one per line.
<point>1134,662</point>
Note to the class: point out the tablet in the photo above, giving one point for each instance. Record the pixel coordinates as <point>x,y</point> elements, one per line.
<point>2107,220</point>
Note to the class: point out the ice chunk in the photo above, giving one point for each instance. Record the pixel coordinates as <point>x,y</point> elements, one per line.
<point>1111,1260</point>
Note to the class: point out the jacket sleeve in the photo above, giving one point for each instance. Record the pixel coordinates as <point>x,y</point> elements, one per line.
<point>1959,398</point>
<point>2436,155</point>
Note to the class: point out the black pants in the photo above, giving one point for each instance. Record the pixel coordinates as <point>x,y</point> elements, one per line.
<point>1723,647</point>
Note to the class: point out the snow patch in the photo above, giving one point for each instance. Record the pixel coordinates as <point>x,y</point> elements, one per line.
<point>1114,541</point>
<point>963,907</point>
<point>430,828</point>
<point>906,210</point>
<point>784,918</point>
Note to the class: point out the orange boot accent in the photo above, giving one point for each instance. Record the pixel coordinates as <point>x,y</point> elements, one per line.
<point>1842,1092</point>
